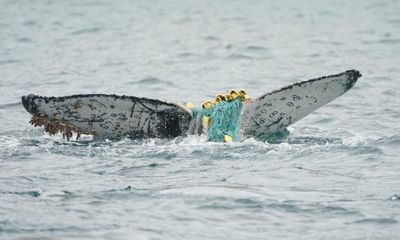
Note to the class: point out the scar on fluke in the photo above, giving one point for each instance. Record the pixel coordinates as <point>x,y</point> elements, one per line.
<point>78,104</point>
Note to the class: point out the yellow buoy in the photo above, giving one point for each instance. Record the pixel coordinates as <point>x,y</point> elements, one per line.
<point>206,121</point>
<point>207,105</point>
<point>189,105</point>
<point>227,138</point>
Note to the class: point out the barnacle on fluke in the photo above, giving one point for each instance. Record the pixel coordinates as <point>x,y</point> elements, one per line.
<point>54,127</point>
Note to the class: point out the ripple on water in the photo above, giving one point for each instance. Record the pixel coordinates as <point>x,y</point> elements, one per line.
<point>9,61</point>
<point>235,198</point>
<point>395,197</point>
<point>30,23</point>
<point>10,105</point>
<point>255,48</point>
<point>152,81</point>
<point>240,56</point>
<point>24,40</point>
<point>83,31</point>
<point>383,221</point>
<point>24,193</point>
<point>389,140</point>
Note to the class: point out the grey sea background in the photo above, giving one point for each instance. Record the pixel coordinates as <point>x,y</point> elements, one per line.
<point>335,176</point>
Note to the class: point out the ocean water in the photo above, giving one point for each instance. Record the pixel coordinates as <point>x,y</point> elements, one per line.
<point>336,175</point>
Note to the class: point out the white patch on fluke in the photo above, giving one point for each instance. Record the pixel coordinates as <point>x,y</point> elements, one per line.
<point>276,110</point>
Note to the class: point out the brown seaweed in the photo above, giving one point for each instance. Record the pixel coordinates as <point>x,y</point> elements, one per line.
<point>53,127</point>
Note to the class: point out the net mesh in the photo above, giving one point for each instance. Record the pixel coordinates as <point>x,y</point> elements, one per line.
<point>224,118</point>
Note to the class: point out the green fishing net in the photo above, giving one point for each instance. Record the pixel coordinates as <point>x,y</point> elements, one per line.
<point>224,118</point>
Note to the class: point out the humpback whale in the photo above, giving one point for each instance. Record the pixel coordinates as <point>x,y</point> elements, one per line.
<point>116,116</point>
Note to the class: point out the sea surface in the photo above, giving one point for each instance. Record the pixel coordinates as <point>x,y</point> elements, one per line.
<point>336,175</point>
